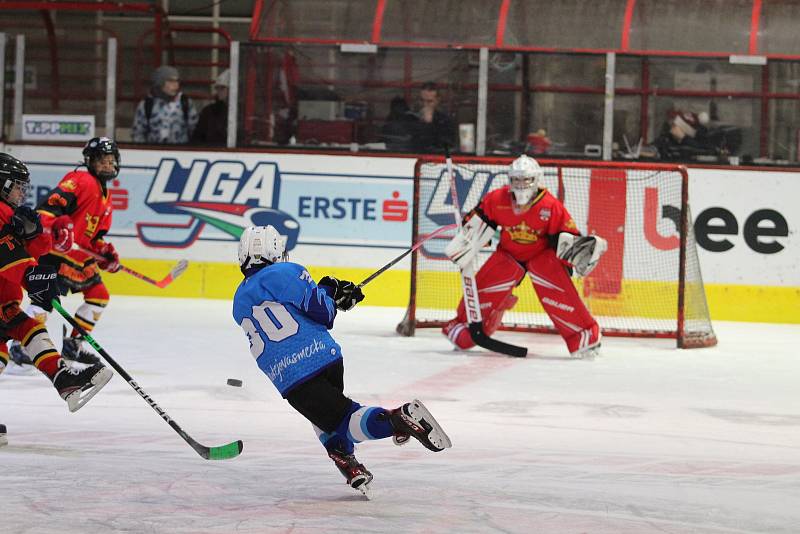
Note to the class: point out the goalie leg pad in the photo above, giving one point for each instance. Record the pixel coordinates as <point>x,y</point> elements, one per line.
<point>496,280</point>
<point>561,301</point>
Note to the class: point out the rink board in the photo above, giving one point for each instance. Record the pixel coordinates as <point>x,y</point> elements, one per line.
<point>351,214</point>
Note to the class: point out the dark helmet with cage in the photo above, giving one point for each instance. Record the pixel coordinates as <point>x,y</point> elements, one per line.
<point>96,148</point>
<point>14,180</point>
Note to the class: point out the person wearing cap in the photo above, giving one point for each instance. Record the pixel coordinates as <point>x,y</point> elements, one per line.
<point>166,115</point>
<point>212,128</point>
<point>684,136</point>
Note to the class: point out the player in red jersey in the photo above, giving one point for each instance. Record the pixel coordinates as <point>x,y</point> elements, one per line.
<point>537,236</point>
<point>21,242</point>
<point>78,212</point>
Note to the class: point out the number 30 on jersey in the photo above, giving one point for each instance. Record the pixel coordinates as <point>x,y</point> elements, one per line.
<point>275,322</point>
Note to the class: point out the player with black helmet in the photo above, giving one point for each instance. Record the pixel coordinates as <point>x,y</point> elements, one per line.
<point>78,212</point>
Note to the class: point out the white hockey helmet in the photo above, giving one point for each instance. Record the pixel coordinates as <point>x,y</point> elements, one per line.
<point>261,245</point>
<point>523,174</point>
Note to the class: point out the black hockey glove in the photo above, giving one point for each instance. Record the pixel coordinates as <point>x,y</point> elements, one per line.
<point>25,223</point>
<point>345,294</point>
<point>42,284</point>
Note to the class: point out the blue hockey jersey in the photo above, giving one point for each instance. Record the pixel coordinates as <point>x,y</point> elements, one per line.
<point>286,316</point>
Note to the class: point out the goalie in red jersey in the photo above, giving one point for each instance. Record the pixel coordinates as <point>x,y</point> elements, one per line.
<point>78,212</point>
<point>537,237</point>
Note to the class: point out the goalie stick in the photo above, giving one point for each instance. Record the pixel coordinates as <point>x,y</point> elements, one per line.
<point>222,452</point>
<point>472,303</point>
<point>174,273</point>
<point>416,245</point>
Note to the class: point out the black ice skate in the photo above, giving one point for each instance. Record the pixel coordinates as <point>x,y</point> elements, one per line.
<point>73,351</point>
<point>18,355</point>
<point>77,386</point>
<point>3,438</point>
<point>20,363</point>
<point>414,420</point>
<point>356,474</point>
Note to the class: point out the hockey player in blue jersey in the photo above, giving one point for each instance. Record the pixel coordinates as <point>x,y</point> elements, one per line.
<point>286,317</point>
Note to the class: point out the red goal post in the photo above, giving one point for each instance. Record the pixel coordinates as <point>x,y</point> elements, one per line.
<point>649,282</point>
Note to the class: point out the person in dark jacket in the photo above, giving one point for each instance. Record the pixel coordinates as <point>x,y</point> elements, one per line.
<point>398,131</point>
<point>435,128</point>
<point>212,128</point>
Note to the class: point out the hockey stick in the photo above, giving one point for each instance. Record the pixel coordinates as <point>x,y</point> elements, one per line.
<point>416,245</point>
<point>174,273</point>
<point>472,303</point>
<point>222,452</point>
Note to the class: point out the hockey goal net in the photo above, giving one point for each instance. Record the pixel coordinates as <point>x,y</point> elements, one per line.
<point>648,284</point>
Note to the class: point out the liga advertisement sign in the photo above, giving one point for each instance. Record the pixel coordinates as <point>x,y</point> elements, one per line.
<point>195,205</point>
<point>355,211</point>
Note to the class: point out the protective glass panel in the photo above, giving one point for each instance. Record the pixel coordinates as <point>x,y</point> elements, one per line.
<point>677,25</point>
<point>565,24</point>
<point>318,96</point>
<point>784,142</point>
<point>628,141</point>
<point>732,129</point>
<point>65,71</point>
<point>316,19</point>
<point>444,21</point>
<point>720,124</point>
<point>778,27</point>
<point>567,102</point>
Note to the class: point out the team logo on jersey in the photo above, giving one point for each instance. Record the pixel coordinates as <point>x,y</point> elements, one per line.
<point>522,233</point>
<point>223,195</point>
<point>68,185</point>
<point>544,214</point>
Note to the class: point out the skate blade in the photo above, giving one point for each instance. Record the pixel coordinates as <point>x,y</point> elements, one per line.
<point>366,490</point>
<point>401,440</point>
<point>77,399</point>
<point>436,436</point>
<point>588,353</point>
<point>3,441</point>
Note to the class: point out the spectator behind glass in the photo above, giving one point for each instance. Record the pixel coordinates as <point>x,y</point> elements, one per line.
<point>401,124</point>
<point>684,136</point>
<point>166,115</point>
<point>212,128</point>
<point>434,127</point>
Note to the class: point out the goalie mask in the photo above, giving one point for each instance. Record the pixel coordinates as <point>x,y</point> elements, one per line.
<point>15,179</point>
<point>260,246</point>
<point>94,151</point>
<point>523,174</point>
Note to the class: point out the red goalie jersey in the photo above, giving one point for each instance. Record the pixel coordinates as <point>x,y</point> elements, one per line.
<point>530,220</point>
<point>526,232</point>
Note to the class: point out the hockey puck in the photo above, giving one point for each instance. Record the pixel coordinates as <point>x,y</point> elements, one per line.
<point>235,382</point>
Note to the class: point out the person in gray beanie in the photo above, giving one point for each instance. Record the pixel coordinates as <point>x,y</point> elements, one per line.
<point>166,115</point>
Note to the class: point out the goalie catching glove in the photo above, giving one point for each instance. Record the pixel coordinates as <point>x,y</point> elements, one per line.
<point>465,246</point>
<point>345,294</point>
<point>583,252</point>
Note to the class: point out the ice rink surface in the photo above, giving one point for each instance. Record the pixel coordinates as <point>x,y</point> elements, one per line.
<point>646,438</point>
